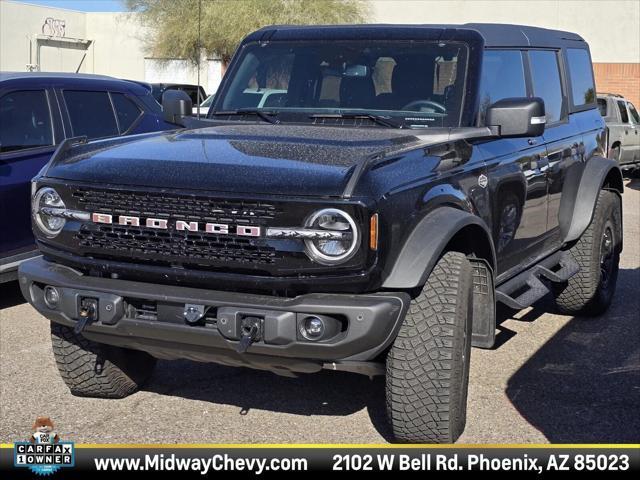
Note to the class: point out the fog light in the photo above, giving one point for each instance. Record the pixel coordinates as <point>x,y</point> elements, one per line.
<point>312,328</point>
<point>51,296</point>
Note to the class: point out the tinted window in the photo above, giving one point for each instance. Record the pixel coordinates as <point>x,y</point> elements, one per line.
<point>634,113</point>
<point>624,117</point>
<point>127,111</point>
<point>502,77</point>
<point>24,120</point>
<point>91,114</point>
<point>602,106</point>
<point>582,86</point>
<point>545,75</point>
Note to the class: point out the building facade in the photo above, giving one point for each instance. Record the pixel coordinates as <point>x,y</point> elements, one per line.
<point>33,37</point>
<point>52,39</point>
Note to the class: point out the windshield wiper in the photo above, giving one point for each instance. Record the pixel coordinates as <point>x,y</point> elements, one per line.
<point>266,116</point>
<point>379,119</point>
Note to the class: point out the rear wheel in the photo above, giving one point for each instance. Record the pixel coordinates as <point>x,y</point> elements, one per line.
<point>92,369</point>
<point>591,290</point>
<point>428,364</point>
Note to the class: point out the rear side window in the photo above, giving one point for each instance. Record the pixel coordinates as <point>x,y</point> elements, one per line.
<point>583,90</point>
<point>126,110</point>
<point>91,113</point>
<point>624,117</point>
<point>502,77</point>
<point>634,113</point>
<point>545,75</point>
<point>24,121</point>
<point>602,106</point>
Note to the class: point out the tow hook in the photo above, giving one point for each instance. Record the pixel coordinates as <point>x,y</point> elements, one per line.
<point>88,313</point>
<point>250,332</point>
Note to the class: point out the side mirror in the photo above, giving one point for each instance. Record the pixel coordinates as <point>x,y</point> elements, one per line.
<point>517,117</point>
<point>176,105</point>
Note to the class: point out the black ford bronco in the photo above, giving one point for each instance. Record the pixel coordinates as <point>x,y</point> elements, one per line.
<point>358,199</point>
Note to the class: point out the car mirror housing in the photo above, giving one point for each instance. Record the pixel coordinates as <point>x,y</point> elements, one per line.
<point>517,117</point>
<point>176,105</point>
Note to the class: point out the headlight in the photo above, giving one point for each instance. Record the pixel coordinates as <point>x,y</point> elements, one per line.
<point>47,198</point>
<point>331,251</point>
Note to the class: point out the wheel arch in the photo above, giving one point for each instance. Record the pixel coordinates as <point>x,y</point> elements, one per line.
<point>580,194</point>
<point>446,228</point>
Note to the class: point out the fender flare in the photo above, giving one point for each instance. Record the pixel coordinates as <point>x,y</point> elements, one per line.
<point>580,195</point>
<point>426,243</point>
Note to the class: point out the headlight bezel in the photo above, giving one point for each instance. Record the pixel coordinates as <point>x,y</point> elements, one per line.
<point>314,252</point>
<point>37,214</point>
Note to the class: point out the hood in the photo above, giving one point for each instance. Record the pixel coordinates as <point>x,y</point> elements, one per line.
<point>268,159</point>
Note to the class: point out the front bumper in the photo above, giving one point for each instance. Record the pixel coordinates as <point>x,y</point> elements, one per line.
<point>149,317</point>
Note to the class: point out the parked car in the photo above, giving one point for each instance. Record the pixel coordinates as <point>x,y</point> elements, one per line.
<point>413,176</point>
<point>623,127</point>
<point>37,112</point>
<point>196,92</point>
<point>203,108</point>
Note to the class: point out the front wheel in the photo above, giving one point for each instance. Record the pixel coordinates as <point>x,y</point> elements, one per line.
<point>92,369</point>
<point>591,290</point>
<point>428,364</point>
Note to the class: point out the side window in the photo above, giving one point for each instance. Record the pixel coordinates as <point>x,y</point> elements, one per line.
<point>24,121</point>
<point>583,90</point>
<point>602,106</point>
<point>502,77</point>
<point>91,113</point>
<point>545,76</point>
<point>634,113</point>
<point>624,117</point>
<point>127,111</point>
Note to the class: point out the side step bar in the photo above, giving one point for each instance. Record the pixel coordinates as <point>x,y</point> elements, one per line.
<point>529,285</point>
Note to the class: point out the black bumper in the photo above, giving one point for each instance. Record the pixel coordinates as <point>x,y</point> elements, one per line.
<point>149,317</point>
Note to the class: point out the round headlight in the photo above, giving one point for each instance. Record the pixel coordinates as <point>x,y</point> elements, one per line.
<point>46,198</point>
<point>332,250</point>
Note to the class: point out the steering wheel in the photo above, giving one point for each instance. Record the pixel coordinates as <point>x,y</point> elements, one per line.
<point>417,105</point>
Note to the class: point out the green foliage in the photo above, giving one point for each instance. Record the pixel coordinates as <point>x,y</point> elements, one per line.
<point>174,23</point>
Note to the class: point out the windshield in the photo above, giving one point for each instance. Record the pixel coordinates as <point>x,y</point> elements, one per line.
<point>417,84</point>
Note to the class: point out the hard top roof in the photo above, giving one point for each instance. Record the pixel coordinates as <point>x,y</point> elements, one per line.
<point>71,79</point>
<point>494,34</point>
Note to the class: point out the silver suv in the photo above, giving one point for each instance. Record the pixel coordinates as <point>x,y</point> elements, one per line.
<point>623,125</point>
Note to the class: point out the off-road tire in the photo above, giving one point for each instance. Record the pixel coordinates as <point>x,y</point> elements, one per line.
<point>587,293</point>
<point>428,365</point>
<point>92,369</point>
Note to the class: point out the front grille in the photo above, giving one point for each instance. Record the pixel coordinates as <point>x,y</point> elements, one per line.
<point>165,206</point>
<point>173,246</point>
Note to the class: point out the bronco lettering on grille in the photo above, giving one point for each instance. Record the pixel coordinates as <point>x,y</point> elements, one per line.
<point>181,225</point>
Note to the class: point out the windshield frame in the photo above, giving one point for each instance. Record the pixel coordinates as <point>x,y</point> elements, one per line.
<point>468,100</point>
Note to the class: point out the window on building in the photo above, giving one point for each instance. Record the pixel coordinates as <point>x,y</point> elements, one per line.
<point>583,90</point>
<point>634,113</point>
<point>127,111</point>
<point>91,113</point>
<point>502,77</point>
<point>624,116</point>
<point>545,75</point>
<point>25,121</point>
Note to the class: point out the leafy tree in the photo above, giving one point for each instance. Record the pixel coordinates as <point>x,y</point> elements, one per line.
<point>174,23</point>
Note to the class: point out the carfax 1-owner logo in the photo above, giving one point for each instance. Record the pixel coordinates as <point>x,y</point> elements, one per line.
<point>44,453</point>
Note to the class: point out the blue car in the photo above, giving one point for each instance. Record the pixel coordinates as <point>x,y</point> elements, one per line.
<point>37,112</point>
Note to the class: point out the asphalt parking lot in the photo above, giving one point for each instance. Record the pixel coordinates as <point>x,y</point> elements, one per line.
<point>551,378</point>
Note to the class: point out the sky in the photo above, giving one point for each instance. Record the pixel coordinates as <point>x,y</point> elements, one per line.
<point>82,5</point>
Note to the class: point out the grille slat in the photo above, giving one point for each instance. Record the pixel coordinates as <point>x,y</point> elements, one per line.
<point>175,246</point>
<point>163,205</point>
